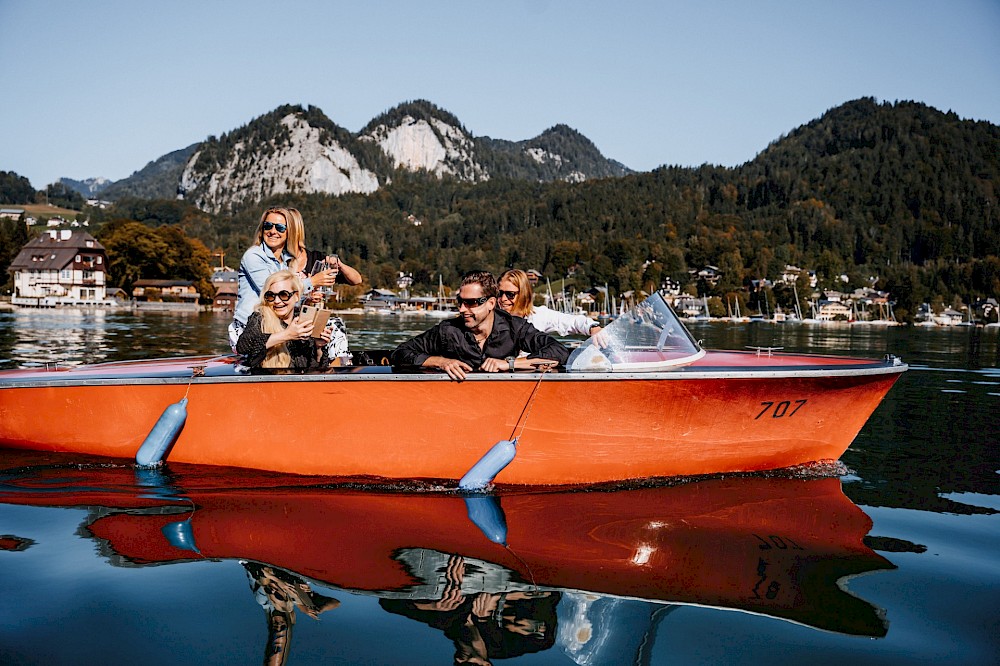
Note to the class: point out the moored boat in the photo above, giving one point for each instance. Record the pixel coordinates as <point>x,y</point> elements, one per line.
<point>651,403</point>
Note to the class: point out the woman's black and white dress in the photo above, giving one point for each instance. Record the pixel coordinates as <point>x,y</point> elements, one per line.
<point>252,345</point>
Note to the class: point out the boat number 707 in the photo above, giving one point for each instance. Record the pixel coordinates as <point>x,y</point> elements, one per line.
<point>785,408</point>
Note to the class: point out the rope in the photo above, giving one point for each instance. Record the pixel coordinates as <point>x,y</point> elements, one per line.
<point>522,420</point>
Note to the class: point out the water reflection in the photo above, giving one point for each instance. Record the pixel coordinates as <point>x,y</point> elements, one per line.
<point>482,625</point>
<point>591,574</point>
<point>279,594</point>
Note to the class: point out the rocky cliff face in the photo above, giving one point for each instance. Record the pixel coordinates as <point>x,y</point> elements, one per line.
<point>429,145</point>
<point>300,159</point>
<point>88,187</point>
<point>296,149</point>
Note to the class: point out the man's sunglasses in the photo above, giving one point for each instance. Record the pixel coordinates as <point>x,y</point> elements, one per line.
<point>275,225</point>
<point>284,295</point>
<point>511,295</point>
<point>471,302</point>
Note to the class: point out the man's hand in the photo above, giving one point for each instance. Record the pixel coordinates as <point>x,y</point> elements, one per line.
<point>456,369</point>
<point>495,365</point>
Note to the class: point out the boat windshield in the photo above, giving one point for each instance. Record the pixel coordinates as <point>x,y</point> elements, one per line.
<point>647,338</point>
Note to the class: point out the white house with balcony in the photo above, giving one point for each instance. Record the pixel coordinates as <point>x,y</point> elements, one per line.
<point>61,267</point>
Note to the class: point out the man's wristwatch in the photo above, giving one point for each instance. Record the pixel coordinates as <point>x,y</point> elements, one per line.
<point>510,363</point>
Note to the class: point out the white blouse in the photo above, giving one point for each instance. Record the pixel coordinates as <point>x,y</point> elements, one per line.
<point>560,323</point>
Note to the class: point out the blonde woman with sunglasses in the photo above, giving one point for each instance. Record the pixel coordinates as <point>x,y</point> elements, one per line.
<point>277,242</point>
<point>274,337</point>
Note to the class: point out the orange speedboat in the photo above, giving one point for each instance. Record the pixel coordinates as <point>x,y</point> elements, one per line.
<point>651,403</point>
<point>773,545</point>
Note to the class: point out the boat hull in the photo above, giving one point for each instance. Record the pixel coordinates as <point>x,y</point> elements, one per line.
<point>730,412</point>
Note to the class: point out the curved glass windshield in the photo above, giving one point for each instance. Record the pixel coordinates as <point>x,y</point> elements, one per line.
<point>647,338</point>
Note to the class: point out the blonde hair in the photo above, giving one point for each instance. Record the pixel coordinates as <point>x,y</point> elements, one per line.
<point>297,246</point>
<point>277,356</point>
<point>296,232</point>
<point>524,302</point>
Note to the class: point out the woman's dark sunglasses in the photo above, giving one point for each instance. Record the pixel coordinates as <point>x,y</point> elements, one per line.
<point>511,295</point>
<point>471,302</point>
<point>282,295</point>
<point>275,225</point>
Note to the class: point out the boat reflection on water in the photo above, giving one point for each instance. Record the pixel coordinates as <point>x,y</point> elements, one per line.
<point>590,572</point>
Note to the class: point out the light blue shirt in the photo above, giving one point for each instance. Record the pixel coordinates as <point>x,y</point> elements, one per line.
<point>257,264</point>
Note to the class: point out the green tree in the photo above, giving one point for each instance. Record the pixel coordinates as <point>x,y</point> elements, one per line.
<point>15,189</point>
<point>134,252</point>
<point>60,194</point>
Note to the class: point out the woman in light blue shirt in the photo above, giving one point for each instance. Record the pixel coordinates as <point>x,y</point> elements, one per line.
<point>276,237</point>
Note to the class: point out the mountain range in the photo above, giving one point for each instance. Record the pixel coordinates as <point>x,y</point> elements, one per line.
<point>897,193</point>
<point>299,149</point>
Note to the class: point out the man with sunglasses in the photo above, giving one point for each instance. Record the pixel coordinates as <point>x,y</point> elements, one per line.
<point>483,337</point>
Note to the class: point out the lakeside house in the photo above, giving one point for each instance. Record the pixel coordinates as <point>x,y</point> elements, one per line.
<point>172,295</point>
<point>380,300</point>
<point>226,283</point>
<point>165,290</point>
<point>385,301</point>
<point>61,267</point>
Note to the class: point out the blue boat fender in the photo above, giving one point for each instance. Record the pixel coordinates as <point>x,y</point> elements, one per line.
<point>486,514</point>
<point>492,463</point>
<point>163,435</point>
<point>179,535</point>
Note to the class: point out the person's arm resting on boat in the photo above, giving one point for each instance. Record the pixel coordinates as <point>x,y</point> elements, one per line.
<point>512,335</point>
<point>424,351</point>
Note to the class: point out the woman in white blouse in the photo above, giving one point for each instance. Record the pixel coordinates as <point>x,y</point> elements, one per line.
<point>517,298</point>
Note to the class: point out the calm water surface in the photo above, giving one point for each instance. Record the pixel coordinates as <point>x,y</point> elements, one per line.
<point>891,560</point>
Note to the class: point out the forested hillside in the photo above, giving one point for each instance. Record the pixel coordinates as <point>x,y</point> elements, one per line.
<point>15,189</point>
<point>901,192</point>
<point>156,180</point>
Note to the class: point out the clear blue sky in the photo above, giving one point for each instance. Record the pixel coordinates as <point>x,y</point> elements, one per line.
<point>101,88</point>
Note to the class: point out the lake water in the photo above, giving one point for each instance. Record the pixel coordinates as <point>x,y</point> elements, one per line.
<point>894,558</point>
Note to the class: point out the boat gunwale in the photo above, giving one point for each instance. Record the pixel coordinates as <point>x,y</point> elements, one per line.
<point>380,374</point>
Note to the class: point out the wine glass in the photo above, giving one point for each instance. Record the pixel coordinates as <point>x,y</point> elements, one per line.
<point>322,265</point>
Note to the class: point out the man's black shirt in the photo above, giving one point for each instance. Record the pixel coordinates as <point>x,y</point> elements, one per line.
<point>451,339</point>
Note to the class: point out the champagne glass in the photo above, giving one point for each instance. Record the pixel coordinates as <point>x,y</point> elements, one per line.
<point>322,265</point>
